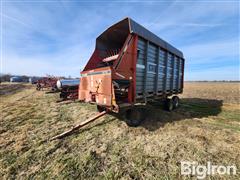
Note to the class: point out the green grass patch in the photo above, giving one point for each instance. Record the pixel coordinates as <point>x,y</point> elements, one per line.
<point>231,115</point>
<point>226,126</point>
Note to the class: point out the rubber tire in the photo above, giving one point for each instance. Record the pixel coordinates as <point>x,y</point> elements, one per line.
<point>38,88</point>
<point>100,108</point>
<point>169,104</point>
<point>176,101</point>
<point>134,117</point>
<point>63,96</point>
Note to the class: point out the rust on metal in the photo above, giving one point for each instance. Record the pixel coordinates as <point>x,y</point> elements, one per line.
<point>47,82</point>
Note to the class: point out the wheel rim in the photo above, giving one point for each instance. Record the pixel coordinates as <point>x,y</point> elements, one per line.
<point>170,106</point>
<point>133,117</point>
<point>175,101</point>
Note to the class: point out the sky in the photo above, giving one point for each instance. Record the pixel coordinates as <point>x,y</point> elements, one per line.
<point>57,37</point>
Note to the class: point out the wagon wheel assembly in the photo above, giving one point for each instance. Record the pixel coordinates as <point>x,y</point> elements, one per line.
<point>135,116</point>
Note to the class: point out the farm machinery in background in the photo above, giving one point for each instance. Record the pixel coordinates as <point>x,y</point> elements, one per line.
<point>47,83</point>
<point>68,88</point>
<point>129,67</point>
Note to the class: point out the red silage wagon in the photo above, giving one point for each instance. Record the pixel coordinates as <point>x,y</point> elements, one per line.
<point>131,65</point>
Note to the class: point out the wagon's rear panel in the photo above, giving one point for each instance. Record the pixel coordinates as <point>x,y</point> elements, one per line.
<point>157,70</point>
<point>96,86</point>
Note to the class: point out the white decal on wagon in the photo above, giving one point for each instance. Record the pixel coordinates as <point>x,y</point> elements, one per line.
<point>140,66</point>
<point>120,75</point>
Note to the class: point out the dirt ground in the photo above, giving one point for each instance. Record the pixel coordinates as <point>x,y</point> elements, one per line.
<point>205,128</point>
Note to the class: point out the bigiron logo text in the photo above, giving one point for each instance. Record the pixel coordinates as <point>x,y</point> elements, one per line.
<point>201,171</point>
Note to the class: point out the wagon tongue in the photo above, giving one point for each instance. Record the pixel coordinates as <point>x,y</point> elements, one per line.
<point>80,125</point>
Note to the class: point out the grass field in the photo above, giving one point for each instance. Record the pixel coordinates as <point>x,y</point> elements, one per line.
<point>205,128</point>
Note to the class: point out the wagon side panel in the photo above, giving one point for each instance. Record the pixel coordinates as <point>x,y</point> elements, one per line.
<point>158,72</point>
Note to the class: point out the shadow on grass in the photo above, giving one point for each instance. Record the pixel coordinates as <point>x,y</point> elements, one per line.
<point>189,108</point>
<point>157,117</point>
<point>49,91</point>
<point>12,88</point>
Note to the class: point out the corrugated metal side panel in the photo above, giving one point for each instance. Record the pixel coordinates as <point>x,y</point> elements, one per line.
<point>167,65</point>
<point>176,74</point>
<point>169,71</point>
<point>140,65</point>
<point>151,67</point>
<point>180,74</point>
<point>161,71</point>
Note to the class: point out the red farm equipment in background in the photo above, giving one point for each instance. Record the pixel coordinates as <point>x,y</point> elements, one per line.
<point>48,83</point>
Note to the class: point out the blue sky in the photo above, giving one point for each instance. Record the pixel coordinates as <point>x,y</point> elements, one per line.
<point>58,37</point>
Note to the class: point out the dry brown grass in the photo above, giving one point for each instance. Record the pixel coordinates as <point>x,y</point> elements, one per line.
<point>228,92</point>
<point>205,128</point>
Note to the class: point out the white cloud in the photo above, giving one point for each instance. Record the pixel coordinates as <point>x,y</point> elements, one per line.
<point>194,14</point>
